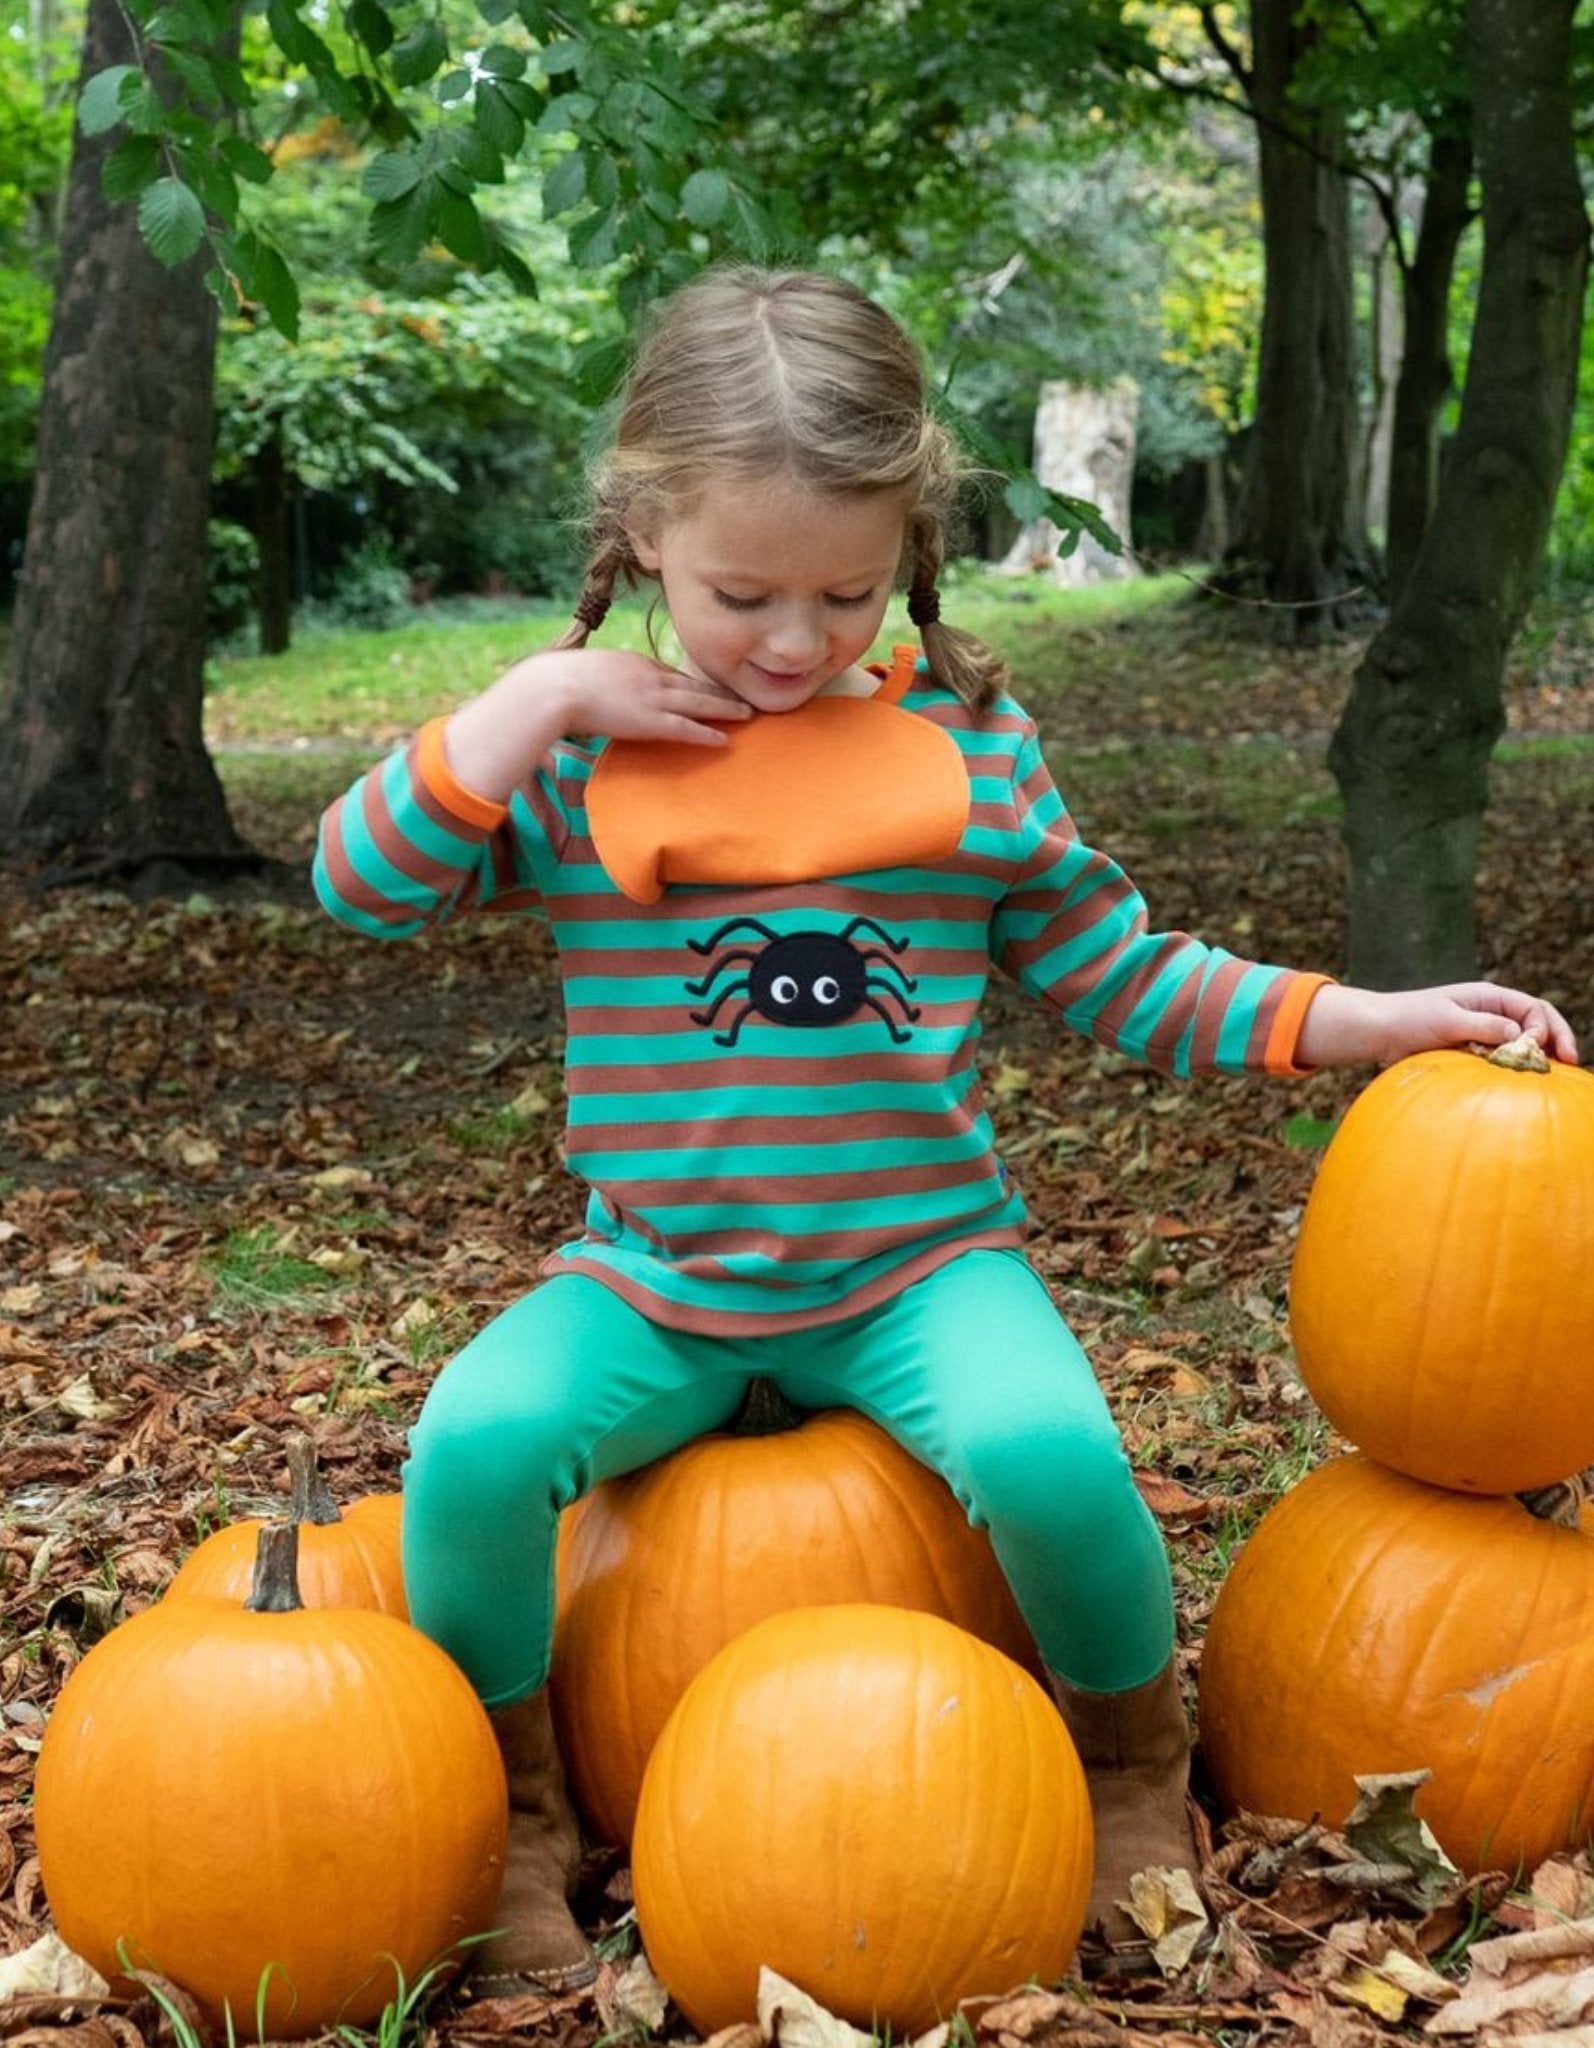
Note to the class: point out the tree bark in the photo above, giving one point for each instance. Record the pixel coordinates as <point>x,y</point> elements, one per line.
<point>1425,380</point>
<point>1300,539</point>
<point>1427,704</point>
<point>100,717</point>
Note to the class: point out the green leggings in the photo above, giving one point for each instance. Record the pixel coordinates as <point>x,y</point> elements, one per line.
<point>971,1369</point>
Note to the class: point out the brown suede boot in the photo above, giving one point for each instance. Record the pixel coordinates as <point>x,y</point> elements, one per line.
<point>541,1947</point>
<point>1135,1747</point>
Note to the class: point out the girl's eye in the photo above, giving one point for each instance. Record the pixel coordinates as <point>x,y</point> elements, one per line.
<point>737,604</point>
<point>852,604</point>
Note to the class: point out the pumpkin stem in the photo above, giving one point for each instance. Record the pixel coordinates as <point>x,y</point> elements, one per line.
<point>312,1498</point>
<point>276,1583</point>
<point>1561,1503</point>
<point>764,1412</point>
<point>1522,1055</point>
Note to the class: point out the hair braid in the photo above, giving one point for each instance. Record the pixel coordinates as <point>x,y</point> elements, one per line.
<point>957,660</point>
<point>611,558</point>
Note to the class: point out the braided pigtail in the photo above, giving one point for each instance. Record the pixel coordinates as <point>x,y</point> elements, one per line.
<point>611,558</point>
<point>957,660</point>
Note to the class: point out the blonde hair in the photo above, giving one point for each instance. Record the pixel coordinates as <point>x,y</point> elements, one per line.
<point>746,374</point>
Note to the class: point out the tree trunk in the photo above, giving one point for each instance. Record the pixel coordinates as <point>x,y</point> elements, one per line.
<point>273,509</point>
<point>1425,379</point>
<point>1383,362</point>
<point>1301,538</point>
<point>1426,707</point>
<point>100,719</point>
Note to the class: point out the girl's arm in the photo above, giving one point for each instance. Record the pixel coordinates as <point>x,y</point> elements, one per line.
<point>1345,1025</point>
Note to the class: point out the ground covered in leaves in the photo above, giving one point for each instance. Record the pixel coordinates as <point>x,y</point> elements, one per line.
<point>257,1177</point>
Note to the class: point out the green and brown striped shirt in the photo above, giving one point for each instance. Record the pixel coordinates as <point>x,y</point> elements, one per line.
<point>772,1087</point>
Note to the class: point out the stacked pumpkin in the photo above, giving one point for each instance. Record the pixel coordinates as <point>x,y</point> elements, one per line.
<point>790,1675</point>
<point>1428,1602</point>
<point>291,1807</point>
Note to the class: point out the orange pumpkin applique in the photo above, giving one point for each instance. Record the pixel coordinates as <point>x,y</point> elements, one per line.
<point>840,785</point>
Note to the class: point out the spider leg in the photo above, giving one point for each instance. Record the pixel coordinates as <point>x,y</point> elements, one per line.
<point>701,988</point>
<point>890,965</point>
<point>912,1015</point>
<point>730,1037</point>
<point>879,930</point>
<point>734,924</point>
<point>731,988</point>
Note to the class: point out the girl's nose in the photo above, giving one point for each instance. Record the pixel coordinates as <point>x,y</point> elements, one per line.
<point>797,631</point>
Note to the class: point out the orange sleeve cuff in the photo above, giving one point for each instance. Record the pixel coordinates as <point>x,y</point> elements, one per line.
<point>431,762</point>
<point>1282,1039</point>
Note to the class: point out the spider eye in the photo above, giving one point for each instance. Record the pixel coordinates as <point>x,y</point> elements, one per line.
<point>827,989</point>
<point>783,989</point>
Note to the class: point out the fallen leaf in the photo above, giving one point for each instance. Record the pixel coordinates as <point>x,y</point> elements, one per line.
<point>791,2019</point>
<point>1165,1905</point>
<point>338,1180</point>
<point>1399,1852</point>
<point>634,1999</point>
<point>1364,1986</point>
<point>51,1969</point>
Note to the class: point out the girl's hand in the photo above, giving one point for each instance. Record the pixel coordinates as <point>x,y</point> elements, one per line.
<point>496,740</point>
<point>1346,1025</point>
<point>613,694</point>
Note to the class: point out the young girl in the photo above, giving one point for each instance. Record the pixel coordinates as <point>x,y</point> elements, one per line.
<point>779,879</point>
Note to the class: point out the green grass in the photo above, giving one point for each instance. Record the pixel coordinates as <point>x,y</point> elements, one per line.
<point>353,686</point>
<point>1250,781</point>
<point>494,1133</point>
<point>259,1268</point>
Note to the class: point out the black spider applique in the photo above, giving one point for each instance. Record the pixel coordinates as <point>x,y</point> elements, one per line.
<point>804,977</point>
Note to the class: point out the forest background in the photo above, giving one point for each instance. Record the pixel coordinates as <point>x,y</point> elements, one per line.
<point>267,332</point>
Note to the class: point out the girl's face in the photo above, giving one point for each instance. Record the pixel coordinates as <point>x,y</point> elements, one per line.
<point>774,590</point>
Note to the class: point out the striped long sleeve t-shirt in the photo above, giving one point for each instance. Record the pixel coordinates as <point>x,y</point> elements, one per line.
<point>773,1093</point>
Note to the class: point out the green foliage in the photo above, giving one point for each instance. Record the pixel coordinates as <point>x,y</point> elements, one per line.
<point>35,139</point>
<point>371,589</point>
<point>450,416</point>
<point>599,99</point>
<point>1571,543</point>
<point>234,563</point>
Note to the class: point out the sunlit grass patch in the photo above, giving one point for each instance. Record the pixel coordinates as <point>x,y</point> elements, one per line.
<point>263,1268</point>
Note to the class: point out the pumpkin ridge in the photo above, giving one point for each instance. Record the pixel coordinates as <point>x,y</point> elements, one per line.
<point>882,1457</point>
<point>930,1555</point>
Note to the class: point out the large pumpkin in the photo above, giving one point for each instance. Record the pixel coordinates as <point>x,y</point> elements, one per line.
<point>661,1568</point>
<point>875,1804</point>
<point>1441,1302</point>
<point>301,1805</point>
<point>1373,1623</point>
<point>347,1557</point>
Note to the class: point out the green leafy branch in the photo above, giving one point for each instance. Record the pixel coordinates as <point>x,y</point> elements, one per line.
<point>629,150</point>
<point>1023,493</point>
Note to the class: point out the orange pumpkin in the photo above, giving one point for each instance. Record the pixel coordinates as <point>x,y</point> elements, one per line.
<point>661,1568</point>
<point>347,1557</point>
<point>875,1804</point>
<point>1440,1302</point>
<point>270,1801</point>
<point>1373,1623</point>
